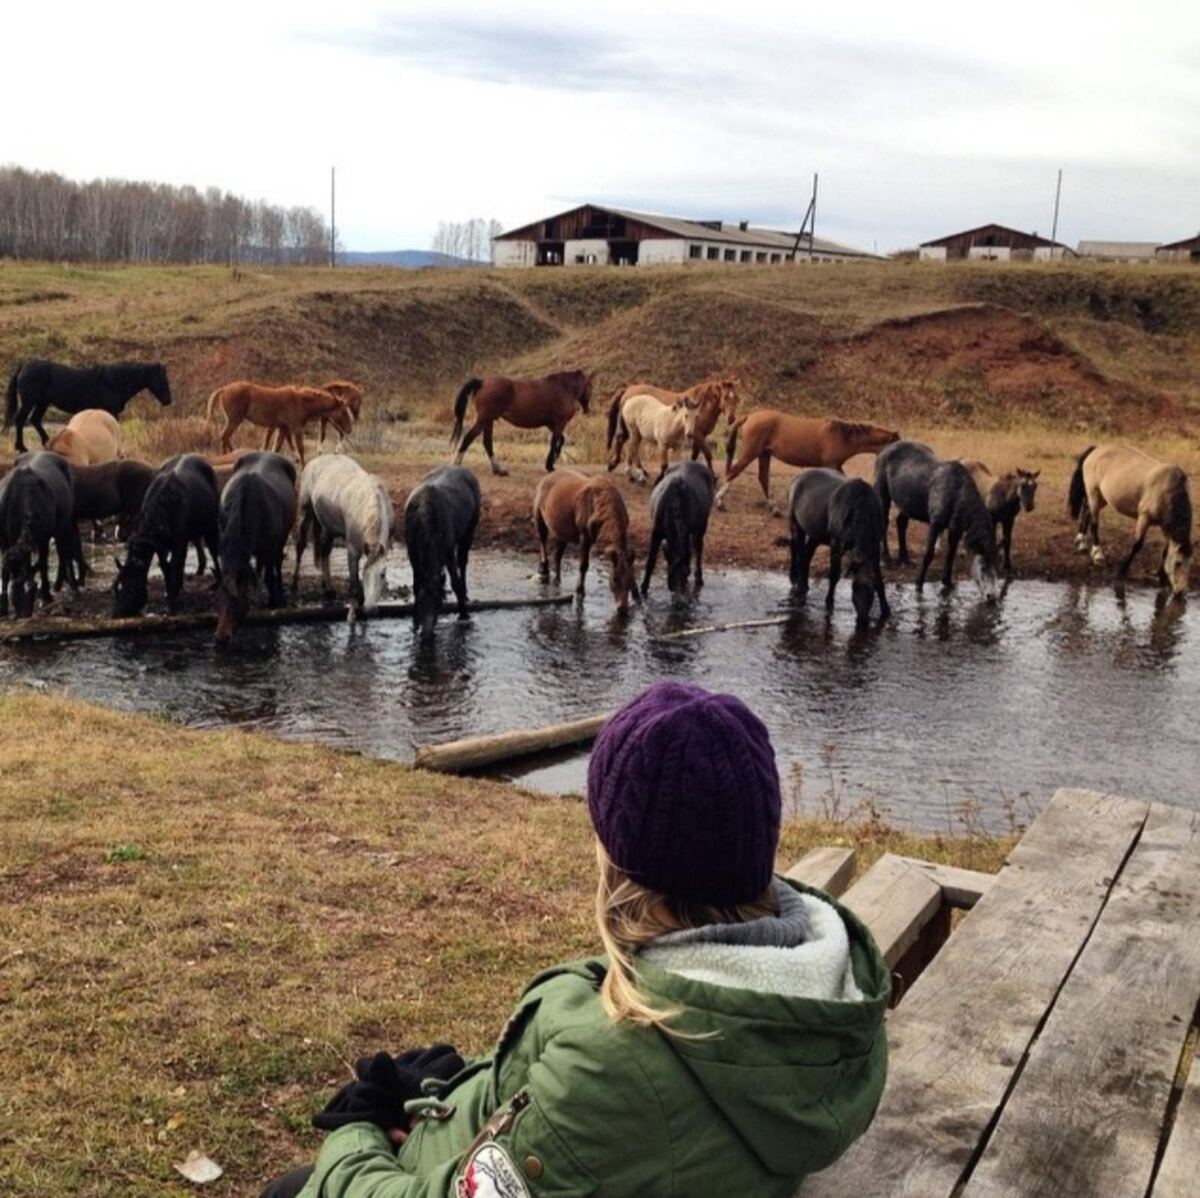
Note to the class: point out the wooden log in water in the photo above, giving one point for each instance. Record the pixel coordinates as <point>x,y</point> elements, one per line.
<point>705,629</point>
<point>61,628</point>
<point>479,752</point>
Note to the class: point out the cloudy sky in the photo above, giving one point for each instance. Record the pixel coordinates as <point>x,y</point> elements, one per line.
<point>921,118</point>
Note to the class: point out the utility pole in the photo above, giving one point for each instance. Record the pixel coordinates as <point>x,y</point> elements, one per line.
<point>1057,196</point>
<point>332,216</point>
<point>809,222</point>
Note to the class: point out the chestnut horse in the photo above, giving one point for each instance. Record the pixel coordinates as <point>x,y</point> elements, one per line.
<point>712,397</point>
<point>798,441</point>
<point>549,402</point>
<point>343,421</point>
<point>573,509</point>
<point>286,408</point>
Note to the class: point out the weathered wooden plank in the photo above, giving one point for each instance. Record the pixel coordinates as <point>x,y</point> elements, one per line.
<point>1179,1175</point>
<point>961,888</point>
<point>963,1028</point>
<point>1087,1115</point>
<point>477,752</point>
<point>895,901</point>
<point>685,633</point>
<point>826,867</point>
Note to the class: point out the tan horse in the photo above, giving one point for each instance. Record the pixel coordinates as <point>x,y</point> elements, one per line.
<point>572,509</point>
<point>712,396</point>
<point>286,408</point>
<point>798,441</point>
<point>549,402</point>
<point>644,418</point>
<point>1142,488</point>
<point>90,438</point>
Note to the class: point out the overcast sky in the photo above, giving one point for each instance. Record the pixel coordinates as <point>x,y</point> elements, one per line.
<point>921,118</point>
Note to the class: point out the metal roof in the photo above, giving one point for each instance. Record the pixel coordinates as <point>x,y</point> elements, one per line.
<point>1188,243</point>
<point>1117,249</point>
<point>1041,241</point>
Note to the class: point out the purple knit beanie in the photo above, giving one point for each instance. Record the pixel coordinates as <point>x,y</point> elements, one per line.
<point>684,795</point>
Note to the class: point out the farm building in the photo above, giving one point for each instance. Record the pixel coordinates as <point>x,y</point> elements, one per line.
<point>1187,250</point>
<point>1118,251</point>
<point>992,242</point>
<point>592,234</point>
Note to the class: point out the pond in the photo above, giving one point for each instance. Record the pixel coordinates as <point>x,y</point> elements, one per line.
<point>954,714</point>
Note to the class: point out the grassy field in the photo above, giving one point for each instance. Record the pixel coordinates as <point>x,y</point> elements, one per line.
<point>198,931</point>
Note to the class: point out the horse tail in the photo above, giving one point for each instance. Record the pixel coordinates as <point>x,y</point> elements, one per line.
<point>1077,492</point>
<point>731,441</point>
<point>10,399</point>
<point>460,408</point>
<point>678,536</point>
<point>614,414</point>
<point>212,400</point>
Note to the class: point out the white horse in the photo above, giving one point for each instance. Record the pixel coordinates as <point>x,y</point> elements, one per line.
<point>345,503</point>
<point>647,418</point>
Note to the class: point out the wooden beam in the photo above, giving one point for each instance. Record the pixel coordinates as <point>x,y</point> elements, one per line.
<point>478,752</point>
<point>1087,1114</point>
<point>961,888</point>
<point>1180,1167</point>
<point>705,629</point>
<point>964,1027</point>
<point>826,868</point>
<point>895,901</point>
<point>56,628</point>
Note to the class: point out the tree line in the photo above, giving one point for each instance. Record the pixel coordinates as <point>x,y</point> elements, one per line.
<point>46,216</point>
<point>469,239</point>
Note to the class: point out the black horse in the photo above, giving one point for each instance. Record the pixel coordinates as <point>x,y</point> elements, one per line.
<point>827,508</point>
<point>38,385</point>
<point>258,509</point>
<point>439,526</point>
<point>943,495</point>
<point>112,489</point>
<point>179,509</point>
<point>680,505</point>
<point>37,505</point>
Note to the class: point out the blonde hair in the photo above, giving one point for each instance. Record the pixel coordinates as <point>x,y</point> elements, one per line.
<point>630,916</point>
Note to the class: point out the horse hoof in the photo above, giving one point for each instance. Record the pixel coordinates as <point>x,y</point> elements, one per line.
<point>1097,556</point>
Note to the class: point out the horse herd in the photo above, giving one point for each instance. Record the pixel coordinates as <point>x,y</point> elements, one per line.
<point>243,508</point>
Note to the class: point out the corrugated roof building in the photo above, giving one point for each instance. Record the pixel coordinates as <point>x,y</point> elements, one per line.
<point>992,243</point>
<point>1187,250</point>
<point>594,234</point>
<point>1118,251</point>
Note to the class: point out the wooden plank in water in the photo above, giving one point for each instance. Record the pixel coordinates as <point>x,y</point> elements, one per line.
<point>961,888</point>
<point>895,901</point>
<point>1087,1115</point>
<point>705,629</point>
<point>51,628</point>
<point>826,867</point>
<point>478,752</point>
<point>964,1027</point>
<point>1180,1170</point>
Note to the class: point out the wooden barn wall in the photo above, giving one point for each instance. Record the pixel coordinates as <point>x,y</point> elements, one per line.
<point>572,226</point>
<point>957,247</point>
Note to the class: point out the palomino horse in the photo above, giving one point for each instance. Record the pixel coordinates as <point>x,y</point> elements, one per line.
<point>644,418</point>
<point>1005,497</point>
<point>440,518</point>
<point>712,396</point>
<point>90,438</point>
<point>679,509</point>
<point>1144,489</point>
<point>37,505</point>
<point>339,500</point>
<point>179,509</point>
<point>798,441</point>
<point>526,403</point>
<point>38,385</point>
<point>572,509</point>
<point>827,508</point>
<point>285,408</point>
<point>258,509</point>
<point>944,496</point>
<point>342,419</point>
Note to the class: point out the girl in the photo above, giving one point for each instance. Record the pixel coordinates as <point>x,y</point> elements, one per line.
<point>729,1042</point>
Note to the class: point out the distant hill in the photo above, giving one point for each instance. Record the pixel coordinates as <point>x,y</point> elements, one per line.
<point>409,259</point>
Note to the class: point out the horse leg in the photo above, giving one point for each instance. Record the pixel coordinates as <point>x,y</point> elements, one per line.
<point>1094,503</point>
<point>835,572</point>
<point>267,439</point>
<point>1143,527</point>
<point>201,562</point>
<point>23,416</point>
<point>43,568</point>
<point>1006,532</point>
<point>323,551</point>
<point>35,418</point>
<point>543,532</point>
<point>764,480</point>
<point>952,541</point>
<point>458,582</point>
<point>732,473</point>
<point>634,460</point>
<point>356,590</point>
<point>935,531</point>
<point>468,438</point>
<point>560,547</point>
<point>1163,579</point>
<point>699,547</point>
<point>651,558</point>
<point>585,553</point>
<point>212,538</point>
<point>497,469</point>
<point>464,552</point>
<point>302,532</point>
<point>885,502</point>
<point>884,608</point>
<point>557,440</point>
<point>797,572</point>
<point>666,461</point>
<point>902,538</point>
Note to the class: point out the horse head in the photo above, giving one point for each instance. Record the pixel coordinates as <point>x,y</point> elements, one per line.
<point>984,568</point>
<point>157,384</point>
<point>1027,488</point>
<point>1178,565</point>
<point>374,576</point>
<point>129,586</point>
<point>687,410</point>
<point>621,579</point>
<point>22,579</point>
<point>342,417</point>
<point>232,603</point>
<point>729,399</point>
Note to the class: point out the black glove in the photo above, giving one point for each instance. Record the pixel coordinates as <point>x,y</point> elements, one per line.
<point>384,1084</point>
<point>438,1060</point>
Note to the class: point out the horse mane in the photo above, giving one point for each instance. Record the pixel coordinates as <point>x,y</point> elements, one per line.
<point>236,546</point>
<point>672,516</point>
<point>573,380</point>
<point>607,507</point>
<point>854,428</point>
<point>1177,523</point>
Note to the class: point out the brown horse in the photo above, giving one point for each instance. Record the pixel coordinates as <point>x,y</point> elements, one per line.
<point>712,397</point>
<point>1005,498</point>
<point>343,422</point>
<point>798,441</point>
<point>287,408</point>
<point>572,509</point>
<point>526,403</point>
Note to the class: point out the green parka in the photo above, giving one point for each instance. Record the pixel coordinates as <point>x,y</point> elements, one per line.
<point>766,1089</point>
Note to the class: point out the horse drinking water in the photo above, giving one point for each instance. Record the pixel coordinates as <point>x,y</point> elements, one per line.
<point>573,509</point>
<point>339,500</point>
<point>440,518</point>
<point>679,509</point>
<point>548,402</point>
<point>1006,497</point>
<point>827,508</point>
<point>1142,488</point>
<point>38,385</point>
<point>943,495</point>
<point>712,397</point>
<point>644,418</point>
<point>37,503</point>
<point>179,509</point>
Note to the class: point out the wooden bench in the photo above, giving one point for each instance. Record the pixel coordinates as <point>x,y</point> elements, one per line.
<point>1048,1049</point>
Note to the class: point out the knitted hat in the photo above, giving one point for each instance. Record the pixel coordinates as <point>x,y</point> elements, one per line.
<point>684,795</point>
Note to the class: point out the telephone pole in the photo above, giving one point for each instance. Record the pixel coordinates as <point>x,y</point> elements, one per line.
<point>332,216</point>
<point>1057,196</point>
<point>809,222</point>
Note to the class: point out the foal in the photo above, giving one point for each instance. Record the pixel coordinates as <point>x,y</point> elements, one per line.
<point>1006,497</point>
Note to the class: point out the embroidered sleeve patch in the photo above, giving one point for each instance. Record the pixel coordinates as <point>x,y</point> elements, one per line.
<point>490,1173</point>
